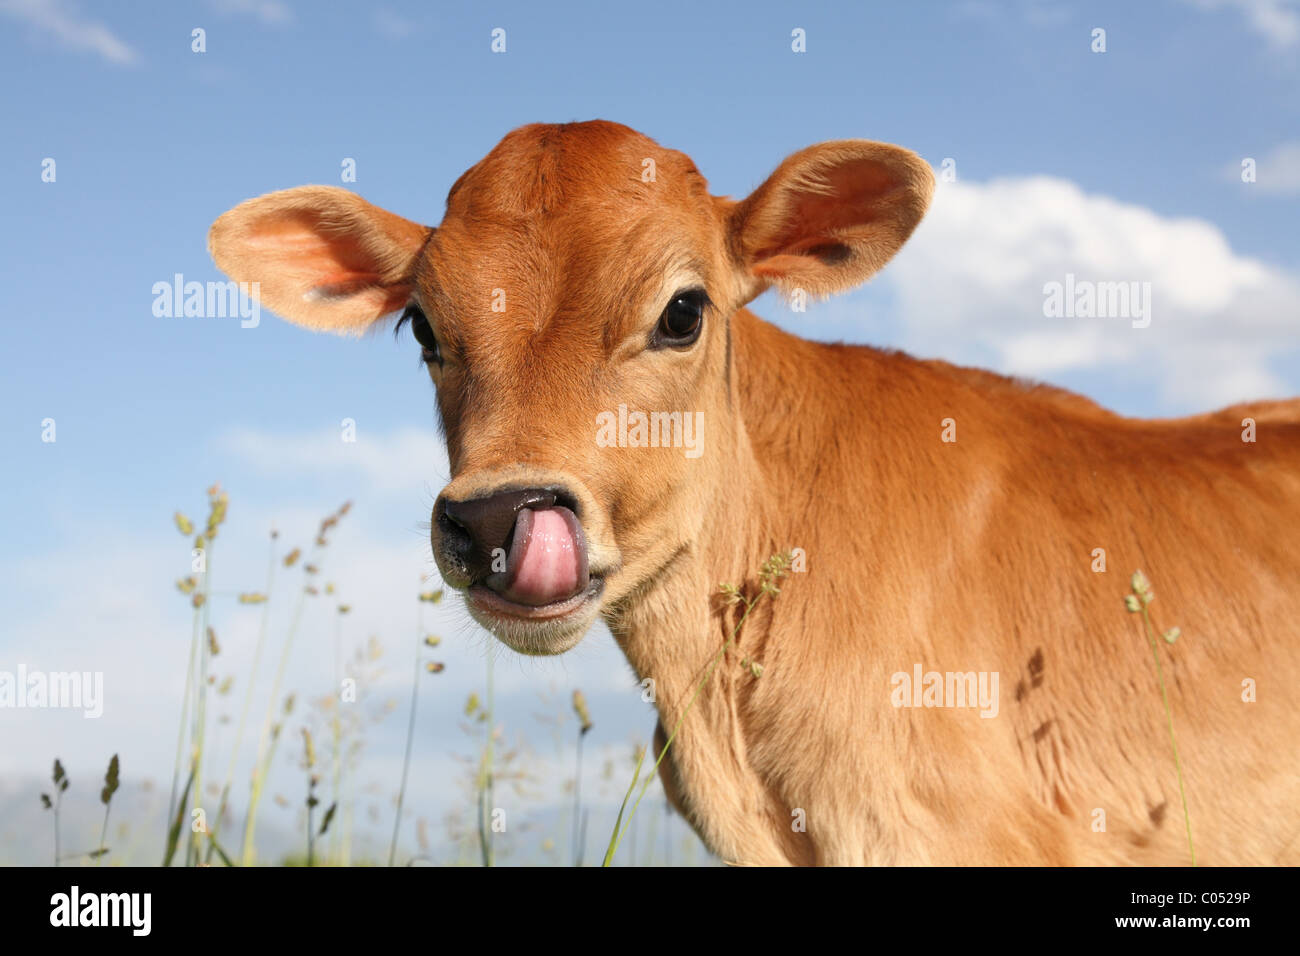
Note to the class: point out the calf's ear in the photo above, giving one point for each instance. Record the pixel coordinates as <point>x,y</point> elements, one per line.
<point>320,256</point>
<point>830,216</point>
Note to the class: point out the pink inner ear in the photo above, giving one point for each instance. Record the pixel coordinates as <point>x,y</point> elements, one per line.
<point>326,266</point>
<point>342,284</point>
<point>853,196</point>
<point>297,240</point>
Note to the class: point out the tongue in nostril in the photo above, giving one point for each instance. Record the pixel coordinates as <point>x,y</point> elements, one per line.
<point>548,557</point>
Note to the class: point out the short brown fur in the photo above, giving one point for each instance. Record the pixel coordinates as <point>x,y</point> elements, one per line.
<point>973,555</point>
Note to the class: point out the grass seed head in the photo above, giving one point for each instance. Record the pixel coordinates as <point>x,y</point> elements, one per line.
<point>1142,587</point>
<point>110,782</point>
<point>580,708</point>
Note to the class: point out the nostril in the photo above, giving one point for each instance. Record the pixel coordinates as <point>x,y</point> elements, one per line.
<point>453,529</point>
<point>452,543</point>
<point>447,524</point>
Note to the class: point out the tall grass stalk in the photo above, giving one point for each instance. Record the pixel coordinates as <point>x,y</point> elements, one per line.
<point>248,853</point>
<point>186,528</point>
<point>577,806</point>
<point>618,821</point>
<point>248,699</point>
<point>773,569</point>
<point>265,750</point>
<point>60,779</point>
<point>194,851</point>
<point>485,776</point>
<point>1141,597</point>
<point>426,597</point>
<point>184,721</point>
<point>106,797</point>
<point>579,820</point>
<point>336,729</point>
<point>406,760</point>
<point>265,747</point>
<point>345,842</point>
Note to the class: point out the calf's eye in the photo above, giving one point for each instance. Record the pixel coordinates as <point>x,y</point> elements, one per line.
<point>423,333</point>
<point>682,318</point>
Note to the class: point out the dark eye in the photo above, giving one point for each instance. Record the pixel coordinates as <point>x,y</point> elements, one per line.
<point>423,333</point>
<point>679,325</point>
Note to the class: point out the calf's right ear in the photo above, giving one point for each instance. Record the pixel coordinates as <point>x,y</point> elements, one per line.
<point>320,256</point>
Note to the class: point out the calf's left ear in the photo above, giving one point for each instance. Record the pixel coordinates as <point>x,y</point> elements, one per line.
<point>830,216</point>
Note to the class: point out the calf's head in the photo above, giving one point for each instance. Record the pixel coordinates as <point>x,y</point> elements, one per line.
<point>582,276</point>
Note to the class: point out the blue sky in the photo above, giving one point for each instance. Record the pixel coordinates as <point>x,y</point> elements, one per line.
<point>1114,165</point>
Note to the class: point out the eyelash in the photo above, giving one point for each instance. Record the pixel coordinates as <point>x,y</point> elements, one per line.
<point>428,354</point>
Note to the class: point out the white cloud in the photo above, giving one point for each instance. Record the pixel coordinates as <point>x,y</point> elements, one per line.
<point>1276,20</point>
<point>393,25</point>
<point>970,286</point>
<point>387,463</point>
<point>268,11</point>
<point>69,28</point>
<point>1037,13</point>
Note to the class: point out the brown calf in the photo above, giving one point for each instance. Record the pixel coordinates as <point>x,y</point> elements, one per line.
<point>583,274</point>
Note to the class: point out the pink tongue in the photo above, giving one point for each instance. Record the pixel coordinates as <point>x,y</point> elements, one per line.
<point>549,568</point>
